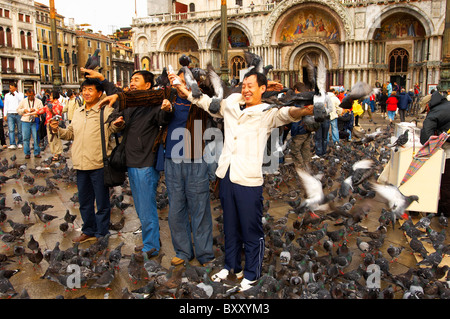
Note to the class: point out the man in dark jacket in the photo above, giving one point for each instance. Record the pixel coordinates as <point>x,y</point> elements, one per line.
<point>403,103</point>
<point>142,126</point>
<point>436,122</point>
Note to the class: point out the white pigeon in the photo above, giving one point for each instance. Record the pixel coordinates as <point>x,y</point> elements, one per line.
<point>314,190</point>
<point>395,200</point>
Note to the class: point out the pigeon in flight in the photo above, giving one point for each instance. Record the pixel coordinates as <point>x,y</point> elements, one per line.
<point>314,191</point>
<point>360,90</point>
<point>396,201</point>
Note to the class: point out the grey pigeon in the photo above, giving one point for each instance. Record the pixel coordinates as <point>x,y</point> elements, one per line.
<point>105,280</point>
<point>394,252</point>
<point>400,141</point>
<point>191,82</point>
<point>6,288</point>
<point>93,61</point>
<point>360,90</point>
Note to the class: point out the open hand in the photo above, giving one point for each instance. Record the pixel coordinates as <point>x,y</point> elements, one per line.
<point>109,100</point>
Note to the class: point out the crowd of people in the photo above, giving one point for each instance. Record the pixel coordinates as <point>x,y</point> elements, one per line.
<point>158,121</point>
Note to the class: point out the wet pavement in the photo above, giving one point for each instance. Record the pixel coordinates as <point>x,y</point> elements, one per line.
<point>29,277</point>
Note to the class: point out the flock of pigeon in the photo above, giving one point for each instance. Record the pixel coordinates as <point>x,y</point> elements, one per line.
<point>310,251</point>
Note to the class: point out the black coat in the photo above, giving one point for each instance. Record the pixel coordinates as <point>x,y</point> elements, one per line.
<point>438,118</point>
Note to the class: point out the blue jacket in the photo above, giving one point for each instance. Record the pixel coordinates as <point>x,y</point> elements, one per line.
<point>403,101</point>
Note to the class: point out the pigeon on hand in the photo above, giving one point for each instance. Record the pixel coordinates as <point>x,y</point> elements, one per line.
<point>396,201</point>
<point>218,86</point>
<point>191,82</point>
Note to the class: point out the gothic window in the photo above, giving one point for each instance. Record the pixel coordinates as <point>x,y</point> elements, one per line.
<point>398,61</point>
<point>237,64</point>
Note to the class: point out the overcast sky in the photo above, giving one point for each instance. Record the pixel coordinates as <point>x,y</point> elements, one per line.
<point>103,15</point>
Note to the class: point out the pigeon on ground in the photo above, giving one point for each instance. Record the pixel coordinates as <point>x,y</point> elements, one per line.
<point>44,217</point>
<point>33,244</point>
<point>69,218</point>
<point>26,210</point>
<point>16,196</point>
<point>394,252</point>
<point>6,288</point>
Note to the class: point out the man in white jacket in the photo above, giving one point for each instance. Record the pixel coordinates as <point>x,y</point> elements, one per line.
<point>247,126</point>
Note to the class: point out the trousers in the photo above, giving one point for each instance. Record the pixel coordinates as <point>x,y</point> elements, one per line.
<point>242,221</point>
<point>143,183</point>
<point>92,192</point>
<point>190,219</point>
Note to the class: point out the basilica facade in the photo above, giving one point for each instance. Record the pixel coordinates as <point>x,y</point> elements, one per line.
<point>361,40</point>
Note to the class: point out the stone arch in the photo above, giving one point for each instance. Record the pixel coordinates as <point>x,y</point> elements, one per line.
<point>173,32</point>
<point>215,31</point>
<point>337,10</point>
<point>401,9</point>
<point>142,43</point>
<point>316,44</point>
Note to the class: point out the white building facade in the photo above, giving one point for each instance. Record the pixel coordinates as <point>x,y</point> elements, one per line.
<point>362,40</point>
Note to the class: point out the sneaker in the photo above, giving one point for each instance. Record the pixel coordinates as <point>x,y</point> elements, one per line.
<point>246,284</point>
<point>223,274</point>
<point>315,157</point>
<point>20,146</point>
<point>12,147</point>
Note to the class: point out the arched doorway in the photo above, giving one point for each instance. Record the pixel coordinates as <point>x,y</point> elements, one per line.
<point>401,50</point>
<point>182,44</point>
<point>398,66</point>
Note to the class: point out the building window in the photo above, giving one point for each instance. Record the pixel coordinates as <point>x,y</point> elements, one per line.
<point>192,7</point>
<point>107,47</point>
<point>89,43</point>
<point>44,52</point>
<point>107,60</point>
<point>9,38</point>
<point>239,3</point>
<point>2,37</point>
<point>29,41</point>
<point>237,64</point>
<point>398,61</point>
<point>27,18</point>
<point>22,40</point>
<point>21,17</point>
<point>6,14</point>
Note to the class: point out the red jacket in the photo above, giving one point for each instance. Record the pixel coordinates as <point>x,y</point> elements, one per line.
<point>57,109</point>
<point>391,103</point>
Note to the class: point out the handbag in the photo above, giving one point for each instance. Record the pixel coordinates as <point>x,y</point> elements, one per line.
<point>112,177</point>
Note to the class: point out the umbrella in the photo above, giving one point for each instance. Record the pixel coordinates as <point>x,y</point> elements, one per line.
<point>433,144</point>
